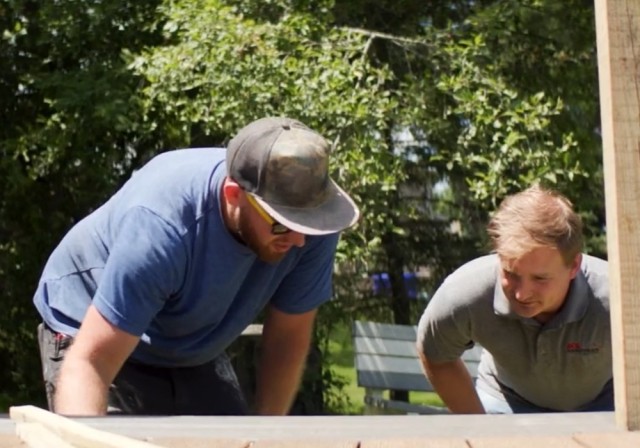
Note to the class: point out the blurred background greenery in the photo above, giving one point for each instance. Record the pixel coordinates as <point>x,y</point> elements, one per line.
<point>437,109</point>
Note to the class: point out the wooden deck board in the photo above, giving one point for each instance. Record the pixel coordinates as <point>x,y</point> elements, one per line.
<point>198,442</point>
<point>8,437</point>
<point>609,440</point>
<point>327,443</point>
<point>43,429</point>
<point>416,443</point>
<point>563,430</point>
<point>359,427</point>
<point>11,441</point>
<point>525,442</point>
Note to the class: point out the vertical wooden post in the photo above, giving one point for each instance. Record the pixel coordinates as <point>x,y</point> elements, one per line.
<point>618,37</point>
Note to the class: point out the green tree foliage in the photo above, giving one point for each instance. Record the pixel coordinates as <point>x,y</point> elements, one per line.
<point>70,129</point>
<point>226,68</point>
<point>552,51</point>
<point>488,105</point>
<point>436,110</point>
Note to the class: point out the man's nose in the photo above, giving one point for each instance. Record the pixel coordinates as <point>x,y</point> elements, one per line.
<point>522,291</point>
<point>297,239</point>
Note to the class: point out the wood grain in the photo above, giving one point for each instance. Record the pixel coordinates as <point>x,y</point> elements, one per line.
<point>618,40</point>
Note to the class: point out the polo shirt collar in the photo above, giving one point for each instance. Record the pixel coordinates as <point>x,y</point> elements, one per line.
<point>574,307</point>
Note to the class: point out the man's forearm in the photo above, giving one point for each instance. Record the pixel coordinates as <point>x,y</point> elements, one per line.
<point>98,352</point>
<point>285,345</point>
<point>453,383</point>
<point>278,380</point>
<point>80,390</point>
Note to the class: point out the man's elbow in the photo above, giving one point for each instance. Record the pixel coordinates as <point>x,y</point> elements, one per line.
<point>426,361</point>
<point>433,368</point>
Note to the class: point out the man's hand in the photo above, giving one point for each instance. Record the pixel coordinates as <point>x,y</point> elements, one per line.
<point>452,382</point>
<point>98,352</point>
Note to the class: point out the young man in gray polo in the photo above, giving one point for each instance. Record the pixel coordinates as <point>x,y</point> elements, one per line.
<point>538,307</point>
<point>154,285</point>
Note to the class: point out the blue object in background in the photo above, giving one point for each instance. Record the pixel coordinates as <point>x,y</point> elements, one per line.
<point>382,284</point>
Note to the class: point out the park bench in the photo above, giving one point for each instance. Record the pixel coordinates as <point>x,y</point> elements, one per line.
<point>386,359</point>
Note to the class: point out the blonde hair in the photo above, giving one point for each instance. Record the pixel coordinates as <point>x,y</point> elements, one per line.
<point>536,217</point>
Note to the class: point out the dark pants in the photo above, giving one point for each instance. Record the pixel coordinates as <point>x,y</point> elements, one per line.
<point>208,389</point>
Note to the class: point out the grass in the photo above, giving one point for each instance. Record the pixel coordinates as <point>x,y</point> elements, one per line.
<point>342,365</point>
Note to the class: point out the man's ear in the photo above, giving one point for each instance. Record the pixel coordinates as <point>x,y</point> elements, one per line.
<point>575,265</point>
<point>231,191</point>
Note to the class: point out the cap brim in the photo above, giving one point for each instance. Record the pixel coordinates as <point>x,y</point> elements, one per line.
<point>334,215</point>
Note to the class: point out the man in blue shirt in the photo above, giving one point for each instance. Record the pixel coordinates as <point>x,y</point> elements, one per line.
<point>142,297</point>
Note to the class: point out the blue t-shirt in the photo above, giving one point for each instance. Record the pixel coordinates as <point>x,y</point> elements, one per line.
<point>158,262</point>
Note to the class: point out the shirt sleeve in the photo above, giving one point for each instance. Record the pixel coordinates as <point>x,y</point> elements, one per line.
<point>309,283</point>
<point>444,330</point>
<point>146,266</point>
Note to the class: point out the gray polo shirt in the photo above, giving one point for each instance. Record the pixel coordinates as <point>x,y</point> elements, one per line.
<point>559,365</point>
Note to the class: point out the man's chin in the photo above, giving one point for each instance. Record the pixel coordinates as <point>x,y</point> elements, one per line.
<point>271,257</point>
<point>524,311</point>
<point>265,253</point>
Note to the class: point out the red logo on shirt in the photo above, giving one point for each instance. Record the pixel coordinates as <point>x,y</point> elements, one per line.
<point>576,347</point>
<point>573,346</point>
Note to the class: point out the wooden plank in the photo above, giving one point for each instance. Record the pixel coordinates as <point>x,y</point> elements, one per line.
<point>522,431</point>
<point>609,440</point>
<point>416,443</point>
<point>74,433</point>
<point>11,441</point>
<point>329,443</point>
<point>199,442</point>
<point>524,442</point>
<point>362,428</point>
<point>35,435</point>
<point>618,40</point>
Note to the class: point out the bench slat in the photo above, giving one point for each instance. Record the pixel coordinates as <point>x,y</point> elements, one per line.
<point>376,346</point>
<point>388,364</point>
<point>386,358</point>
<point>384,331</point>
<point>393,380</point>
<point>472,355</point>
<point>407,408</point>
<point>392,364</point>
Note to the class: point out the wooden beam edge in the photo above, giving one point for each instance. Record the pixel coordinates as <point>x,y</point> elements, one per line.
<point>73,433</point>
<point>34,435</point>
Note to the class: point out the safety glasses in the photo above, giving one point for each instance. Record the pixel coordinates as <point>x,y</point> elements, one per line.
<point>276,227</point>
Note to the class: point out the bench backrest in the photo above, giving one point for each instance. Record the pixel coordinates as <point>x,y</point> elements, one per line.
<point>386,357</point>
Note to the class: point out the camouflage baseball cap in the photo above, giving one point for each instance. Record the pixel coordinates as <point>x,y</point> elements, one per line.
<point>284,165</point>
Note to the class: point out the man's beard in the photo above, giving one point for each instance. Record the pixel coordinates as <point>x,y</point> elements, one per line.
<point>251,239</point>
